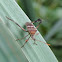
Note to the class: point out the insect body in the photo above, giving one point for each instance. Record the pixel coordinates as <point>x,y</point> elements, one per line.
<point>30,29</point>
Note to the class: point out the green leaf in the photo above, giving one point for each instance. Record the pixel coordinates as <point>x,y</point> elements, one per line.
<point>11,49</point>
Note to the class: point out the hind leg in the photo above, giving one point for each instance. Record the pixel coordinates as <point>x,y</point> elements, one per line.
<point>25,42</point>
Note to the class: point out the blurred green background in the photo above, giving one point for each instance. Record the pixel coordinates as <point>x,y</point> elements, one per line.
<point>50,11</point>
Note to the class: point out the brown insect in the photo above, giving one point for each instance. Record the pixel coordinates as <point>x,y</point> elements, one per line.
<point>30,29</point>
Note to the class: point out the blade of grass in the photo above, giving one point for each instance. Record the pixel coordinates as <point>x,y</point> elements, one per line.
<point>33,53</point>
<point>9,49</point>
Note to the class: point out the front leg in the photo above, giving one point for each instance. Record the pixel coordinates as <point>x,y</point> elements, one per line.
<point>16,24</point>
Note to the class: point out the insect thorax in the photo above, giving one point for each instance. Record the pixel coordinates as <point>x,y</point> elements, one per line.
<point>31,29</point>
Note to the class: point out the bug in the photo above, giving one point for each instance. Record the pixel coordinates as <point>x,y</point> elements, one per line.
<point>30,29</point>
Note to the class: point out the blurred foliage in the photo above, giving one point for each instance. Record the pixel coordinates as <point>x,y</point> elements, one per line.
<point>27,5</point>
<point>50,11</point>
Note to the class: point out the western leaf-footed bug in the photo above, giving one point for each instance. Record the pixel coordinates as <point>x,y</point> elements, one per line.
<point>30,29</point>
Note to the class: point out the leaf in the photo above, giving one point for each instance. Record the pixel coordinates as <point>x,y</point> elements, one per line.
<point>30,52</point>
<point>9,48</point>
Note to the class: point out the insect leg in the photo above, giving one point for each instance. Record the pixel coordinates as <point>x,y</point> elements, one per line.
<point>34,40</point>
<point>36,33</point>
<point>42,42</point>
<point>38,20</point>
<point>22,38</point>
<point>16,23</point>
<point>25,42</point>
